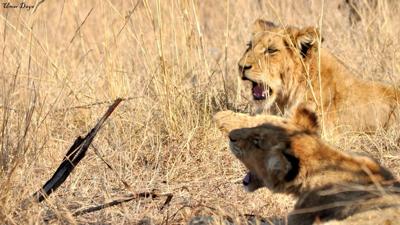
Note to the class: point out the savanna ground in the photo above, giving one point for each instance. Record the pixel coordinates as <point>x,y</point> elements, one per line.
<point>176,62</point>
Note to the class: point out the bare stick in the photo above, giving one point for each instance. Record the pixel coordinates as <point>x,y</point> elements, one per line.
<point>74,155</point>
<point>153,195</point>
<point>116,202</point>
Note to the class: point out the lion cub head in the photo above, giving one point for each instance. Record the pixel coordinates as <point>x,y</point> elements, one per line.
<point>275,60</point>
<point>266,150</point>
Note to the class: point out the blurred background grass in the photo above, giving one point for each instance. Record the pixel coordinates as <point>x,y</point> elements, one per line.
<point>176,61</point>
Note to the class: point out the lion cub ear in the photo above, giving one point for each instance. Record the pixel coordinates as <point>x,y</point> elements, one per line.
<point>304,39</point>
<point>304,116</point>
<point>262,25</point>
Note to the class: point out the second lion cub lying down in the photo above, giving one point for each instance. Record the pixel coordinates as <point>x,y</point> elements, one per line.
<point>286,155</point>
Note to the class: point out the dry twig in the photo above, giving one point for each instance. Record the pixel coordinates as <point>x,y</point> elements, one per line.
<point>74,155</point>
<point>127,198</point>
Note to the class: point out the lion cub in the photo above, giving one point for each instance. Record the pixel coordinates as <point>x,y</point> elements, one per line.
<point>286,155</point>
<point>284,66</point>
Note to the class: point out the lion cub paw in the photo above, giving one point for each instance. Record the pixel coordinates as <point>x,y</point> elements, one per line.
<point>227,120</point>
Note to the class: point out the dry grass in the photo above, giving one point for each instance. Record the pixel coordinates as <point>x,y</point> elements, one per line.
<point>176,61</point>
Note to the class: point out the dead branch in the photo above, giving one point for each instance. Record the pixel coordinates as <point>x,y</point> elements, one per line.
<point>74,155</point>
<point>130,197</point>
<point>127,198</point>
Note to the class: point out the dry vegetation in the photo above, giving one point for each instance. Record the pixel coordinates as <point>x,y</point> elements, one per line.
<point>175,61</point>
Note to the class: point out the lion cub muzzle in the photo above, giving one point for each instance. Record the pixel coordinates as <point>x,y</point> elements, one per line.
<point>267,165</point>
<point>259,90</point>
<point>236,144</point>
<point>242,70</point>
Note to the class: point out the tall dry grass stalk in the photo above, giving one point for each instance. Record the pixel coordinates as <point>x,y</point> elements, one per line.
<point>176,62</point>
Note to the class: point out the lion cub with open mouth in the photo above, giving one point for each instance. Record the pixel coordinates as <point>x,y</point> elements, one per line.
<point>283,66</point>
<point>286,155</point>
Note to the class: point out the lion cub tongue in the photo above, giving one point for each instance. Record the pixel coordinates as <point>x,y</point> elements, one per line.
<point>258,92</point>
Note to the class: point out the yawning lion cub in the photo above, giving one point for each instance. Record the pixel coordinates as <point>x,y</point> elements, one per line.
<point>286,155</point>
<point>286,66</point>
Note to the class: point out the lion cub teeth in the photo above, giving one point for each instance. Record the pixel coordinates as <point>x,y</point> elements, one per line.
<point>258,92</point>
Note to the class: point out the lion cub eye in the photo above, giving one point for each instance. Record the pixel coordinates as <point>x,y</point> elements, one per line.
<point>249,46</point>
<point>256,142</point>
<point>270,50</point>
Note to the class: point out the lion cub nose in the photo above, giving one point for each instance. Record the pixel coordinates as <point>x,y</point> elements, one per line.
<point>233,135</point>
<point>244,67</point>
